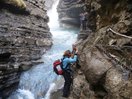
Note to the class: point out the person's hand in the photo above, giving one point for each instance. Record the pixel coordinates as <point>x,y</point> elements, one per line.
<point>72,55</point>
<point>76,51</point>
<point>74,47</point>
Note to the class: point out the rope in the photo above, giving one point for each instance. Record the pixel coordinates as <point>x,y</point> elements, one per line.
<point>109,29</point>
<point>117,61</point>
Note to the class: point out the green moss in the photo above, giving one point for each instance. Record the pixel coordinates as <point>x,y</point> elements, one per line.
<point>17,3</point>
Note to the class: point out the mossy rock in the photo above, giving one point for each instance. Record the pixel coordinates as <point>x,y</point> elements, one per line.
<point>17,3</point>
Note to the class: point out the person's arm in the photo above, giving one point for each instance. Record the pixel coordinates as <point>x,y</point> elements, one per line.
<point>73,60</point>
<point>74,49</point>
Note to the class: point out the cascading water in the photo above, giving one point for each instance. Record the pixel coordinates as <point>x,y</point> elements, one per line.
<point>39,81</point>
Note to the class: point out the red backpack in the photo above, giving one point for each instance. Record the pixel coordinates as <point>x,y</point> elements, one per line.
<point>57,67</point>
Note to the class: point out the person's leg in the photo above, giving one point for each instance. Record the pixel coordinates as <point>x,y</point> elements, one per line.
<point>83,25</point>
<point>68,81</point>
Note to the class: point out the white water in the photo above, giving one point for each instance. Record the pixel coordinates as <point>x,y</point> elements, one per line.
<point>39,81</point>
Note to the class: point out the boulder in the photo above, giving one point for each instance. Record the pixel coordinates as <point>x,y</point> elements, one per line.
<point>94,65</point>
<point>81,89</point>
<point>116,86</point>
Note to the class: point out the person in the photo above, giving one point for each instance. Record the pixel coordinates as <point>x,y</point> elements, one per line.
<point>74,49</point>
<point>83,20</point>
<point>68,59</point>
<point>75,52</point>
<point>92,19</point>
<point>81,1</point>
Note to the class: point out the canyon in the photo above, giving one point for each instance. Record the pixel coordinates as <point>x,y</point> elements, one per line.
<point>104,47</point>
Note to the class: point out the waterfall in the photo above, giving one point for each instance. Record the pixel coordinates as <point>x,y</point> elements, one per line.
<point>40,81</point>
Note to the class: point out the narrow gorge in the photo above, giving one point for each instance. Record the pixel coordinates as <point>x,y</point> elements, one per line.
<point>34,33</point>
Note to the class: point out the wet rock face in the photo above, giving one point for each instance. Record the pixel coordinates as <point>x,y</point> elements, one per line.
<point>24,38</point>
<point>69,11</point>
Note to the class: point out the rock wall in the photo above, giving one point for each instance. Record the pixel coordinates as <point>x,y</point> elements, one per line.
<point>105,49</point>
<point>105,54</point>
<point>49,3</point>
<point>24,38</point>
<point>69,11</point>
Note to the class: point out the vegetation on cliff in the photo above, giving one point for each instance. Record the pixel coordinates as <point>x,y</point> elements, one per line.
<point>18,3</point>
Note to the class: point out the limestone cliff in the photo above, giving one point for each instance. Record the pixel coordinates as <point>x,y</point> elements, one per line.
<point>105,55</point>
<point>69,11</point>
<point>105,51</point>
<point>49,3</point>
<point>24,38</point>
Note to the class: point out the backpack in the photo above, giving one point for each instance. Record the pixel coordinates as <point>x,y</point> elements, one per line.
<point>57,67</point>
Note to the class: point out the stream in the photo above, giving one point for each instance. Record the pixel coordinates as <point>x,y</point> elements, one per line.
<point>39,81</point>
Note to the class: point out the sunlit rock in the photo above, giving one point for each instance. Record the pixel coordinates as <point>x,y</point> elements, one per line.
<point>94,65</point>
<point>18,3</point>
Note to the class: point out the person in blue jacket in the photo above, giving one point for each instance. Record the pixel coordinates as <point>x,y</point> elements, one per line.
<point>68,59</point>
